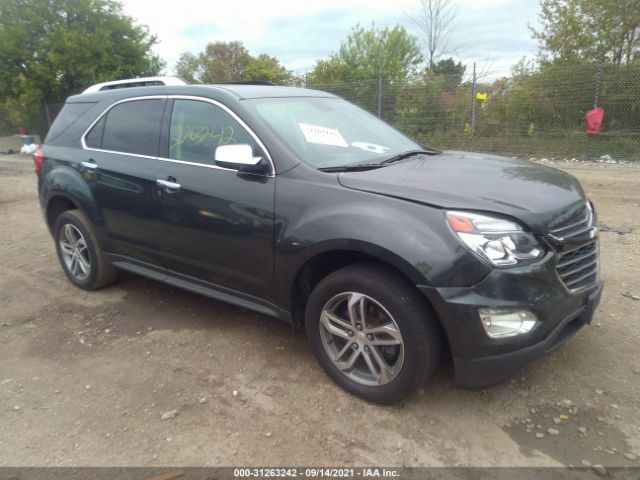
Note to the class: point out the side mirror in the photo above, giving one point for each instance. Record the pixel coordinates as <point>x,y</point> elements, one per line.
<point>241,157</point>
<point>236,155</point>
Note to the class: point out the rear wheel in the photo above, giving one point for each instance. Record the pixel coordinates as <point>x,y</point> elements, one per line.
<point>79,252</point>
<point>372,332</point>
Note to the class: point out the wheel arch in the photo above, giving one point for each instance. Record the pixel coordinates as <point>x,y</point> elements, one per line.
<point>67,189</point>
<point>325,261</point>
<point>57,204</point>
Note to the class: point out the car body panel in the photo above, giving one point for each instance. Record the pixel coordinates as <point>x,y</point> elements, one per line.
<point>219,228</point>
<point>535,194</point>
<point>315,214</point>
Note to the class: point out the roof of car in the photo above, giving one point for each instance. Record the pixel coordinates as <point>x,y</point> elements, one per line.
<point>239,91</point>
<point>266,91</point>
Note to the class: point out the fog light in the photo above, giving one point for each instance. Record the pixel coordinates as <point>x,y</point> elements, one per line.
<point>501,323</point>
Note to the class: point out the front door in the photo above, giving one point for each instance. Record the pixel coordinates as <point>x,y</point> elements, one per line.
<point>218,224</point>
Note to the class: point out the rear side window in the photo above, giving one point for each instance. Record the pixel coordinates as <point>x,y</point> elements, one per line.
<point>67,117</point>
<point>198,128</point>
<point>134,127</point>
<point>94,137</point>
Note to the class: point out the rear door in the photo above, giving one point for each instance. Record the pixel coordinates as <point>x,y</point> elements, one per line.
<point>218,225</point>
<point>121,151</point>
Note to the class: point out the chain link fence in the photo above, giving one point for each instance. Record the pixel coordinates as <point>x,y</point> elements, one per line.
<point>35,120</point>
<point>532,114</point>
<point>536,114</point>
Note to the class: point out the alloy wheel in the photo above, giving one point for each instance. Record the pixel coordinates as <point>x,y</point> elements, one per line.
<point>362,339</point>
<point>75,252</point>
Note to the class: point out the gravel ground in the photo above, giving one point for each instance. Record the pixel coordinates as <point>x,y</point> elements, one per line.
<point>86,378</point>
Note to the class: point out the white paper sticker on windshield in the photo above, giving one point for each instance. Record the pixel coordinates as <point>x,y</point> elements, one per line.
<point>323,135</point>
<point>370,147</point>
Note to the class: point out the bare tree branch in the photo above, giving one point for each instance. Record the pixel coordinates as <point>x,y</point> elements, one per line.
<point>436,19</point>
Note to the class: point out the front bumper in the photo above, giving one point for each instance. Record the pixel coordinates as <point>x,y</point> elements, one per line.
<point>481,361</point>
<point>486,371</point>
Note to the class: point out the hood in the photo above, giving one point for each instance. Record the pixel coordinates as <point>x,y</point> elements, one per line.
<point>534,194</point>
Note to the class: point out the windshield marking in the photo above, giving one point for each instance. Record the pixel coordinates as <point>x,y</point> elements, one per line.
<point>370,147</point>
<point>323,135</point>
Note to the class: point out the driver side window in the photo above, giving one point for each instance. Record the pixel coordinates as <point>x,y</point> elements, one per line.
<point>198,128</point>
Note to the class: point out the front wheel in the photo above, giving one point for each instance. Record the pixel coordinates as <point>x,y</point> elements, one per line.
<point>372,332</point>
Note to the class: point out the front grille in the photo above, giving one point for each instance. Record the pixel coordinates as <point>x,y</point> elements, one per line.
<point>578,222</point>
<point>579,268</point>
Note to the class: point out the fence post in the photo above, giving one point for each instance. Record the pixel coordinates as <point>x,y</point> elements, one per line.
<point>596,100</point>
<point>380,93</point>
<point>47,114</point>
<point>473,110</point>
<point>596,97</point>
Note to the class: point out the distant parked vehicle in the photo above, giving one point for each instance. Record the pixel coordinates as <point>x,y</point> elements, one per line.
<point>299,205</point>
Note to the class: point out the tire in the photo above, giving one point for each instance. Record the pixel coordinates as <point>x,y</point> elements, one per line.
<point>74,224</point>
<point>391,304</point>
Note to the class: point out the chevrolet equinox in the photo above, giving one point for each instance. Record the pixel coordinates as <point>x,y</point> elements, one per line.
<point>299,205</point>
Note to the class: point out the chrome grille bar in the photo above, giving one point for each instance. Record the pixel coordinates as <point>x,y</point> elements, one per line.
<point>584,253</point>
<point>579,222</point>
<point>573,271</point>
<point>582,277</point>
<point>579,268</point>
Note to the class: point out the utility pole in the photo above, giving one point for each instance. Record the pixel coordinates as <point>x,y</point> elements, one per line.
<point>473,109</point>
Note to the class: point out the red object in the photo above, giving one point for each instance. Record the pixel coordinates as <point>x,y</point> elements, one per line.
<point>594,120</point>
<point>22,131</point>
<point>37,160</point>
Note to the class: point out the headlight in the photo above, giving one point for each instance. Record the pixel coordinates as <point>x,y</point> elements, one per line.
<point>500,242</point>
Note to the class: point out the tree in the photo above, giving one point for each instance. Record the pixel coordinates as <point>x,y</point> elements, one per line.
<point>54,48</point>
<point>222,62</point>
<point>69,45</point>
<point>371,67</point>
<point>187,67</point>
<point>575,31</point>
<point>366,54</point>
<point>452,71</point>
<point>265,67</point>
<point>436,18</point>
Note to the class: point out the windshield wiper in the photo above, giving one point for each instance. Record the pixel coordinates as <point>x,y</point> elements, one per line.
<point>410,153</point>
<point>356,167</point>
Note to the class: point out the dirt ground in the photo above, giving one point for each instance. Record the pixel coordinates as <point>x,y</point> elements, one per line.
<point>85,377</point>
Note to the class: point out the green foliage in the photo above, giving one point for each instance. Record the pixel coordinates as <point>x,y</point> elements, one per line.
<point>222,62</point>
<point>578,31</point>
<point>187,67</point>
<point>390,53</point>
<point>265,67</point>
<point>452,71</point>
<point>55,48</point>
<point>448,66</point>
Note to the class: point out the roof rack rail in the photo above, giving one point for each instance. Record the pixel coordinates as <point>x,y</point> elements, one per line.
<point>135,82</point>
<point>250,82</point>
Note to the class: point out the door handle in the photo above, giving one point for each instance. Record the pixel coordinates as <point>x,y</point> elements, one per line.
<point>168,186</point>
<point>90,165</point>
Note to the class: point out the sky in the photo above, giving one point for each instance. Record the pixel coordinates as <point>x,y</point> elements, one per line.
<point>493,33</point>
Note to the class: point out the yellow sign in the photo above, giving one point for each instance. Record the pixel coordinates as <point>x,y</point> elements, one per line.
<point>481,96</point>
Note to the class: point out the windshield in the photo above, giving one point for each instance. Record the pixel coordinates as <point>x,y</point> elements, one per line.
<point>330,132</point>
